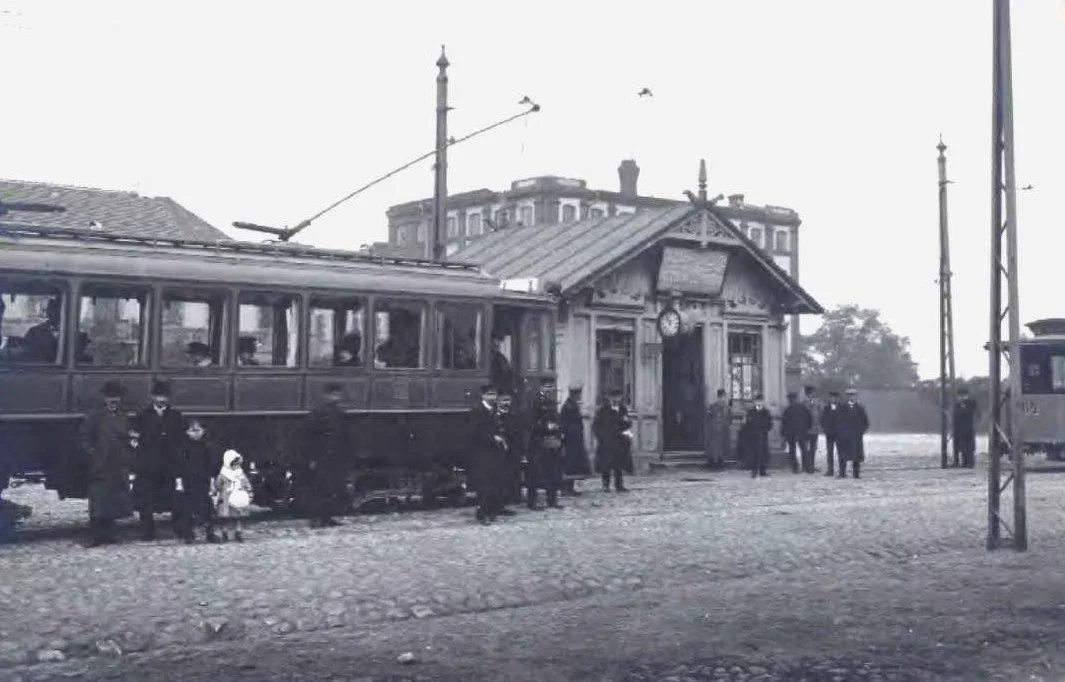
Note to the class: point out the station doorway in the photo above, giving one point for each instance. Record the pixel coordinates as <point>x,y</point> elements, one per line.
<point>683,399</point>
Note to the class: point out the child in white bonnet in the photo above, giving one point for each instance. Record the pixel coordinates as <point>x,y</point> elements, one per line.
<point>232,491</point>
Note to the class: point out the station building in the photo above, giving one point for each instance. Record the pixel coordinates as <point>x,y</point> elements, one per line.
<point>667,305</point>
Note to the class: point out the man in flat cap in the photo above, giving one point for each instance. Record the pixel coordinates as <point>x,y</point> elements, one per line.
<point>104,438</point>
<point>613,452</point>
<point>852,424</point>
<point>162,430</point>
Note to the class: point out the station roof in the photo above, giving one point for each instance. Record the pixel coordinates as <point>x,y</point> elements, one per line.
<point>125,214</point>
<point>576,254</point>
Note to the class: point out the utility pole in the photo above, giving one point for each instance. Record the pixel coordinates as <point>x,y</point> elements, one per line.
<point>946,315</point>
<point>1004,436</point>
<point>440,190</point>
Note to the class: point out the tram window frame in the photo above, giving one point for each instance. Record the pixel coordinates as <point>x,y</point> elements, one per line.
<point>217,327</point>
<point>442,310</point>
<point>293,354</point>
<point>14,288</point>
<point>401,303</point>
<point>547,342</point>
<point>329,302</point>
<point>121,291</point>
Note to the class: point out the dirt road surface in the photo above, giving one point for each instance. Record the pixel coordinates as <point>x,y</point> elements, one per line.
<point>693,576</point>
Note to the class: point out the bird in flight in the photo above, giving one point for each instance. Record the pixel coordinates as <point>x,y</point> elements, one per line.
<point>1026,187</point>
<point>526,100</point>
<point>646,92</point>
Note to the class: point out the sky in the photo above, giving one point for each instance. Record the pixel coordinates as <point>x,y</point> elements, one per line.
<point>268,111</point>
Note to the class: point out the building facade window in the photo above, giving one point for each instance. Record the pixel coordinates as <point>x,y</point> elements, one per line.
<point>758,237</point>
<point>569,213</point>
<point>525,215</point>
<point>473,225</point>
<point>402,236</point>
<point>596,213</point>
<point>745,365</point>
<point>614,352</point>
<point>782,240</point>
<point>452,227</point>
<point>502,219</point>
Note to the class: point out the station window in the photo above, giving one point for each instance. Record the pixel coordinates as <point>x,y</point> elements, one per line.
<point>31,322</point>
<point>111,326</point>
<point>336,333</point>
<point>268,330</point>
<point>460,336</point>
<point>745,364</point>
<point>569,213</point>
<point>781,239</point>
<point>192,331</point>
<point>525,215</point>
<point>614,353</point>
<point>473,225</point>
<point>398,334</point>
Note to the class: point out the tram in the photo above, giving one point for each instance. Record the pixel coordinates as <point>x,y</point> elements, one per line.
<point>1042,406</point>
<point>248,335</point>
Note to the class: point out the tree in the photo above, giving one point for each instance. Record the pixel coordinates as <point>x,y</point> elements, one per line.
<point>855,348</point>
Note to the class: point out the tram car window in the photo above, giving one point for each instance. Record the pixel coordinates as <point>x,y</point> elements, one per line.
<point>31,322</point>
<point>192,329</point>
<point>1043,366</point>
<point>112,326</point>
<point>398,330</point>
<point>268,330</point>
<point>461,329</point>
<point>337,327</point>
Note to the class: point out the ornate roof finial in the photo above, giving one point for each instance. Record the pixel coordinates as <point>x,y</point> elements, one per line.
<point>443,63</point>
<point>941,147</point>
<point>702,179</point>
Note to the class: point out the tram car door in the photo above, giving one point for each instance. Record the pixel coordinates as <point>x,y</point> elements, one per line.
<point>1042,405</point>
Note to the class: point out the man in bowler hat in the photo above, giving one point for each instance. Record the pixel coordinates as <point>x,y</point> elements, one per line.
<point>162,432</point>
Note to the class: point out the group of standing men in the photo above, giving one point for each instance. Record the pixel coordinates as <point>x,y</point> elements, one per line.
<point>543,449</point>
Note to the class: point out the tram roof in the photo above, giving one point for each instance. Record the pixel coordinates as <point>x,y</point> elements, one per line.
<point>45,250</point>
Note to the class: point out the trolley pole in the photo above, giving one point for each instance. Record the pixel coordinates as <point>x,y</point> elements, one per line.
<point>440,167</point>
<point>946,315</point>
<point>1005,429</point>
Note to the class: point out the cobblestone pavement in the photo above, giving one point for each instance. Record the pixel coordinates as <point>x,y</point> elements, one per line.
<point>671,533</point>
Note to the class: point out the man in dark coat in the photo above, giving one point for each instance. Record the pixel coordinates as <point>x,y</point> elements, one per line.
<point>963,428</point>
<point>852,423</point>
<point>795,427</point>
<point>717,434</point>
<point>162,432</point>
<point>815,406</point>
<point>830,427</point>
<point>327,448</point>
<point>198,465</point>
<point>613,452</point>
<point>759,424</point>
<point>487,448</point>
<point>545,448</point>
<point>575,452</point>
<point>501,372</point>
<point>104,438</point>
<point>515,434</point>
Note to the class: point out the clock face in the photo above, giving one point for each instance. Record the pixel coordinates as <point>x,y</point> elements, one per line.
<point>669,322</point>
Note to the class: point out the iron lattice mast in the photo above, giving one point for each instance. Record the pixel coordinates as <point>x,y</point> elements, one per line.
<point>1004,436</point>
<point>946,315</point>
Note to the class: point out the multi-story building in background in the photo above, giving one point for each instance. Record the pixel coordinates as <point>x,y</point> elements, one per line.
<point>549,200</point>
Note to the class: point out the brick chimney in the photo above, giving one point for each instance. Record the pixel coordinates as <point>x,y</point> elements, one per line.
<point>735,200</point>
<point>628,173</point>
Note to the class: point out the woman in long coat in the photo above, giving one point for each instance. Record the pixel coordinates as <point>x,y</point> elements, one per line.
<point>613,452</point>
<point>104,437</point>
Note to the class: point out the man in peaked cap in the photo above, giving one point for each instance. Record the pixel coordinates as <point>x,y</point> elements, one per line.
<point>162,429</point>
<point>487,451</point>
<point>575,452</point>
